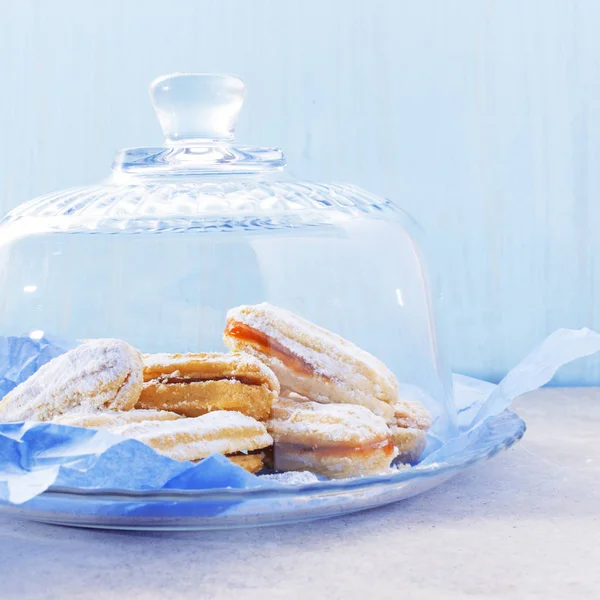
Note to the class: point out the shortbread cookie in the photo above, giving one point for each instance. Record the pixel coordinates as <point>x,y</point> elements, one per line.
<point>334,440</point>
<point>251,461</point>
<point>224,432</point>
<point>410,413</point>
<point>195,384</point>
<point>408,426</point>
<point>410,443</point>
<point>102,374</point>
<point>310,360</point>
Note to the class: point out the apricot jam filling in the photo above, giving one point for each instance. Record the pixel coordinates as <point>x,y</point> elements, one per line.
<point>267,345</point>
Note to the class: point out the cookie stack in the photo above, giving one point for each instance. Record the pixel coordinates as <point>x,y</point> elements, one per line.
<point>289,394</point>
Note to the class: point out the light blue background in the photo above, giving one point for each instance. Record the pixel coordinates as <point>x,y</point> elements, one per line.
<point>481,118</point>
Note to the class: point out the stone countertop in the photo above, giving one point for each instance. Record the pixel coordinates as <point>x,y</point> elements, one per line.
<point>523,525</point>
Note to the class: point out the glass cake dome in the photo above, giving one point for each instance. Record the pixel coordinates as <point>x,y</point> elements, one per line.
<point>178,235</point>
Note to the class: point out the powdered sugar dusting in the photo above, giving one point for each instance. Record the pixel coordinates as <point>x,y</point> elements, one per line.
<point>98,374</point>
<point>233,359</point>
<point>349,374</point>
<point>292,477</point>
<point>263,317</point>
<point>222,432</point>
<point>77,418</point>
<point>325,423</point>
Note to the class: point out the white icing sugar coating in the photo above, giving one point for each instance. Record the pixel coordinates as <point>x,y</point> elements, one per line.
<point>77,418</point>
<point>325,424</point>
<point>224,432</point>
<point>101,374</point>
<point>233,360</point>
<point>292,477</point>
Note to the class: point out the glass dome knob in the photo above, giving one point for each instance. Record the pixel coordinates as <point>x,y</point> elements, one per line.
<point>197,107</point>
